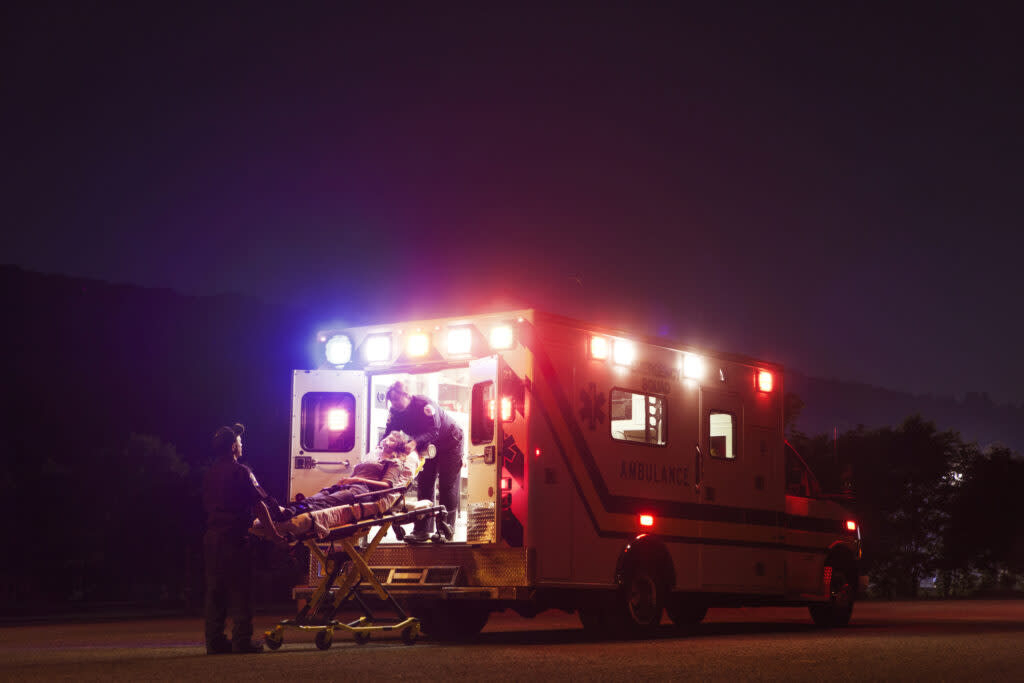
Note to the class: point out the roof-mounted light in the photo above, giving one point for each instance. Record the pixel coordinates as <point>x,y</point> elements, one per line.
<point>377,348</point>
<point>693,366</point>
<point>765,381</point>
<point>338,349</point>
<point>502,337</point>
<point>624,352</point>
<point>460,341</point>
<point>598,348</point>
<point>417,345</point>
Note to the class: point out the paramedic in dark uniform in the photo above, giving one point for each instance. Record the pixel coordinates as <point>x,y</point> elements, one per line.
<point>231,496</point>
<point>427,423</point>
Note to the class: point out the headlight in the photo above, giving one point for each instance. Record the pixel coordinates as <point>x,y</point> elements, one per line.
<point>338,349</point>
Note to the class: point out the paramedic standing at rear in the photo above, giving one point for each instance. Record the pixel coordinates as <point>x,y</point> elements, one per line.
<point>427,423</point>
<point>231,496</point>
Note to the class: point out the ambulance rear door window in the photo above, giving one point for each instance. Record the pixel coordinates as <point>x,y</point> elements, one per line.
<point>722,432</point>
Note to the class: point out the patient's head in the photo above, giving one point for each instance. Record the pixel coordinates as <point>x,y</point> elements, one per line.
<point>397,444</point>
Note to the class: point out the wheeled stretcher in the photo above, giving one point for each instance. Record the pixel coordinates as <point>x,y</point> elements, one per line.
<point>346,572</point>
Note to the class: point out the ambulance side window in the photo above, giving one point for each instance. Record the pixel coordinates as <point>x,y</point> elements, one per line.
<point>328,421</point>
<point>482,415</point>
<point>638,417</point>
<point>722,432</point>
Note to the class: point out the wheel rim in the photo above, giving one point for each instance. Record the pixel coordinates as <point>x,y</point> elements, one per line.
<point>643,599</point>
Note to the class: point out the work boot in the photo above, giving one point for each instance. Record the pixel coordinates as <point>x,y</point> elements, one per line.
<point>416,538</point>
<point>250,647</point>
<point>218,646</point>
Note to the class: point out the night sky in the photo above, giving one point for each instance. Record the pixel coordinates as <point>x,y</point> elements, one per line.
<point>834,186</point>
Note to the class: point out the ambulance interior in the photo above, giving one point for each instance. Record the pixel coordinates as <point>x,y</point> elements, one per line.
<point>451,389</point>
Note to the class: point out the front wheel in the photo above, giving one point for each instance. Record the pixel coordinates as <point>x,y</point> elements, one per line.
<point>837,611</point>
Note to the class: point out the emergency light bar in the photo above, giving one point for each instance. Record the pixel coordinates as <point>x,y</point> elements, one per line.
<point>693,366</point>
<point>598,348</point>
<point>338,349</point>
<point>460,341</point>
<point>624,352</point>
<point>377,348</point>
<point>502,337</point>
<point>764,381</point>
<point>417,345</point>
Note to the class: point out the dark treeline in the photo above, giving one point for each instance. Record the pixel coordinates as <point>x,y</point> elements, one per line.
<point>937,512</point>
<point>111,393</point>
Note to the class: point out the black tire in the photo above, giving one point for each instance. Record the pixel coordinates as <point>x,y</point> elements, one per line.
<point>642,600</point>
<point>323,640</point>
<point>837,611</point>
<point>685,612</point>
<point>361,638</point>
<point>452,621</point>
<point>273,642</point>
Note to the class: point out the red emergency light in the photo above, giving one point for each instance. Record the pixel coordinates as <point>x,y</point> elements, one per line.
<point>765,381</point>
<point>851,525</point>
<point>506,409</point>
<point>647,520</point>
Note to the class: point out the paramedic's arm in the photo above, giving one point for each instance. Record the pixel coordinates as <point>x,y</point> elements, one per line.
<point>264,516</point>
<point>431,424</point>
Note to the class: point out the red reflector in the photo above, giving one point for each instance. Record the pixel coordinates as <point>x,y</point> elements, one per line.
<point>646,520</point>
<point>851,525</point>
<point>764,381</point>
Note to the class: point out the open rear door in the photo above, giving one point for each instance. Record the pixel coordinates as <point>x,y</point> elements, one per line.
<point>482,513</point>
<point>329,418</point>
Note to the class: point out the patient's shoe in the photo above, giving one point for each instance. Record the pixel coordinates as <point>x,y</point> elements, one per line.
<point>219,646</point>
<point>416,537</point>
<point>247,648</point>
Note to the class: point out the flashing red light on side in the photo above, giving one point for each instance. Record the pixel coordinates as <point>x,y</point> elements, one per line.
<point>506,483</point>
<point>506,409</point>
<point>851,525</point>
<point>536,453</point>
<point>337,420</point>
<point>765,381</point>
<point>647,520</point>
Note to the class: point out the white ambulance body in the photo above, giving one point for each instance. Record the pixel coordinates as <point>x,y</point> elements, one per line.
<point>603,473</point>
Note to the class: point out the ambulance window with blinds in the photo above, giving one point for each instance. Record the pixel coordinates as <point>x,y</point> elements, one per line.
<point>481,429</point>
<point>328,421</point>
<point>722,431</point>
<point>638,417</point>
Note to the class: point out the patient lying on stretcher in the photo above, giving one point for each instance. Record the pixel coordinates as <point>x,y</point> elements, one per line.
<point>396,463</point>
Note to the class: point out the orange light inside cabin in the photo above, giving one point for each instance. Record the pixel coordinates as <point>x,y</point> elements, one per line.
<point>765,381</point>
<point>647,520</point>
<point>337,420</point>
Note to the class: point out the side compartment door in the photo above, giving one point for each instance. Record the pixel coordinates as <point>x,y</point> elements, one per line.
<point>483,486</point>
<point>329,422</point>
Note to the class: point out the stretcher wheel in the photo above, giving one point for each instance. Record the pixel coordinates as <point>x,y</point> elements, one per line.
<point>273,641</point>
<point>323,640</point>
<point>361,638</point>
<point>409,635</point>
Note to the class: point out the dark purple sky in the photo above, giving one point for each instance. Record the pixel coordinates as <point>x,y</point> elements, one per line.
<point>832,186</point>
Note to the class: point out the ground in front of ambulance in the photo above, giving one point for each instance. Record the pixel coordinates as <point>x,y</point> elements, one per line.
<point>979,640</point>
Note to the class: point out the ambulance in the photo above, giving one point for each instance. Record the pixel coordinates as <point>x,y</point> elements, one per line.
<point>605,474</point>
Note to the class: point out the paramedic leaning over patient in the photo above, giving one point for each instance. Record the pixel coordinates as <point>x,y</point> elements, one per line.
<point>428,423</point>
<point>231,495</point>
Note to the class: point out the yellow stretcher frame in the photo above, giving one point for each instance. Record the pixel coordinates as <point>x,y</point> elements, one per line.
<point>345,571</point>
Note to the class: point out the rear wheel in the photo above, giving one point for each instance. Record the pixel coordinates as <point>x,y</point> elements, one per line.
<point>838,610</point>
<point>323,639</point>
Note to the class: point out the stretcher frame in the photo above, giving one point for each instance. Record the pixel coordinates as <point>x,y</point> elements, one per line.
<point>346,573</point>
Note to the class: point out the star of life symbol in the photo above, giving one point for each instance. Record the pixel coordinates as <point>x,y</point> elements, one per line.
<point>591,411</point>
